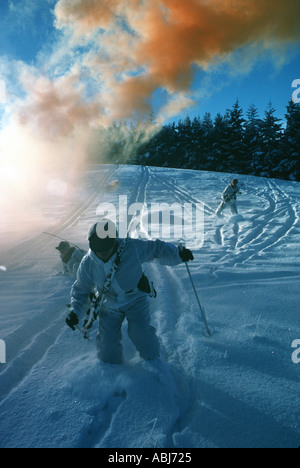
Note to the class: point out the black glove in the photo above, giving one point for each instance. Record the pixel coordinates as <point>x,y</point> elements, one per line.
<point>185,254</point>
<point>72,320</point>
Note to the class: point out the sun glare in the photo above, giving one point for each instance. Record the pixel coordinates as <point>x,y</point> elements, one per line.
<point>9,173</point>
<point>19,159</point>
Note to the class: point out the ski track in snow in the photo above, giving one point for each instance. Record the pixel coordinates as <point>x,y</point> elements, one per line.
<point>265,231</point>
<point>237,389</point>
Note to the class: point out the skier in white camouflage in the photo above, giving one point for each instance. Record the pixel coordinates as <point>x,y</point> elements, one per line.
<point>70,256</point>
<point>229,198</point>
<point>129,294</point>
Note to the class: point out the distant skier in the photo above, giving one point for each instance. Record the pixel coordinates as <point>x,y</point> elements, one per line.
<point>229,198</point>
<point>71,257</point>
<point>129,294</point>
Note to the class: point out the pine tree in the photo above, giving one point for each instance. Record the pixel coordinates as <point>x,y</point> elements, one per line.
<point>220,137</point>
<point>292,132</point>
<point>237,158</point>
<point>228,144</point>
<point>271,128</point>
<point>207,142</point>
<point>271,139</point>
<point>198,159</point>
<point>187,153</point>
<point>291,141</point>
<point>253,140</point>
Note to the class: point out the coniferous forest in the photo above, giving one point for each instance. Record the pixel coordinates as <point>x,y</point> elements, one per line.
<point>237,142</point>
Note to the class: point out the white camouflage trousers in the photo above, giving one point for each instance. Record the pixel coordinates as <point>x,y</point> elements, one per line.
<point>231,203</point>
<point>140,331</point>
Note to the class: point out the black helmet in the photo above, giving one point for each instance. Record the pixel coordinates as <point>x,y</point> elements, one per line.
<point>63,246</point>
<point>102,236</point>
<point>234,182</point>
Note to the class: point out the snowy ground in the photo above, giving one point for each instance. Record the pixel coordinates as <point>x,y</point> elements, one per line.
<point>239,388</point>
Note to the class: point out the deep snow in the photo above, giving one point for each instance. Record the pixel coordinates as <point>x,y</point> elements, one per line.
<point>238,389</point>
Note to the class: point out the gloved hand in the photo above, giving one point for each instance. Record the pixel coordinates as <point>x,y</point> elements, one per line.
<point>185,254</point>
<point>72,320</point>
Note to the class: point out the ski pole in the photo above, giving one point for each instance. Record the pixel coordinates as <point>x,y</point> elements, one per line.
<point>207,330</point>
<point>61,238</point>
<point>83,332</point>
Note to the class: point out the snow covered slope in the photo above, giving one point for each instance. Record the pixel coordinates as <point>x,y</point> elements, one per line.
<point>239,388</point>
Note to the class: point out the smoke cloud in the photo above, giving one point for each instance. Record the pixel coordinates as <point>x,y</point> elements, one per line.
<point>89,14</point>
<point>164,40</point>
<point>111,56</point>
<point>56,108</point>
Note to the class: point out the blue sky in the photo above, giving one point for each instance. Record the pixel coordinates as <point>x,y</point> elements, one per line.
<point>26,26</point>
<point>30,40</point>
<point>265,83</point>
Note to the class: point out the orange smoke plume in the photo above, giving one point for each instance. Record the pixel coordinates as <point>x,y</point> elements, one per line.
<point>56,108</point>
<point>177,34</point>
<point>139,46</point>
<point>89,14</point>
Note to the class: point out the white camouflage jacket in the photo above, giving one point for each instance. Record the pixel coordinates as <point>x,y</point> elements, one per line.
<point>230,193</point>
<point>72,264</point>
<point>93,272</point>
